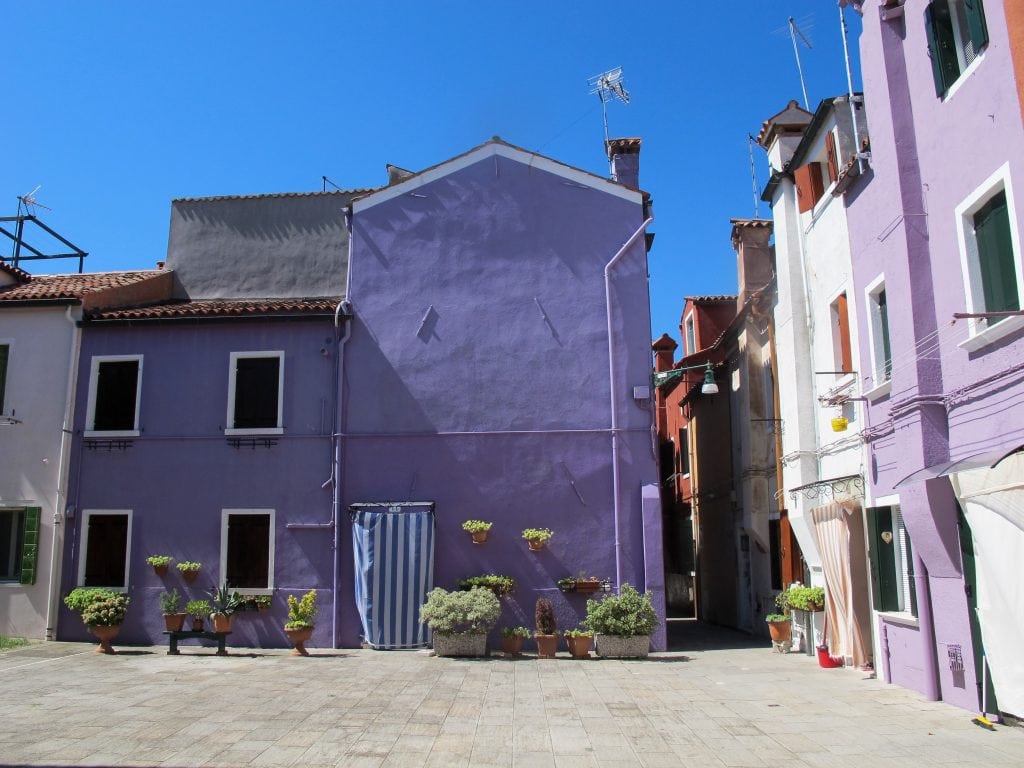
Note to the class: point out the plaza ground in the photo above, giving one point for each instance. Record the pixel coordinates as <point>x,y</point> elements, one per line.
<point>723,699</point>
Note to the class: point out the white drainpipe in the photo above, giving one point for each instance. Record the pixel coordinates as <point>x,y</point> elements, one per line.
<point>614,394</point>
<point>60,505</point>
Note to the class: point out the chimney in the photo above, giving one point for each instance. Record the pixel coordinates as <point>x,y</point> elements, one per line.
<point>624,155</point>
<point>396,174</point>
<point>754,258</point>
<point>781,133</point>
<point>664,351</point>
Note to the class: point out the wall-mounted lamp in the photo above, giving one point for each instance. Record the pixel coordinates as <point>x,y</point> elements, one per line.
<point>709,387</point>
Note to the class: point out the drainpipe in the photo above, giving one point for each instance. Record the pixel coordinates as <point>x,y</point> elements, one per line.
<point>61,503</point>
<point>924,617</point>
<point>614,393</point>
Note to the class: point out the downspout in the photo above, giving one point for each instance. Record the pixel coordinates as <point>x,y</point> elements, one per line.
<point>614,394</point>
<point>927,624</point>
<point>61,504</point>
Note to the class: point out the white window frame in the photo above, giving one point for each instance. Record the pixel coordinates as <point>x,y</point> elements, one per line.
<point>980,333</point>
<point>966,70</point>
<point>84,551</point>
<point>225,514</point>
<point>232,366</point>
<point>904,616</point>
<point>6,409</point>
<point>90,414</point>
<point>880,384</point>
<point>689,331</point>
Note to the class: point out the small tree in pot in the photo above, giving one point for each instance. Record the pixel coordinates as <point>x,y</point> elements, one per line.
<point>460,621</point>
<point>544,619</point>
<point>299,627</point>
<point>622,623</point>
<point>170,606</point>
<point>103,612</point>
<point>225,603</point>
<point>779,626</point>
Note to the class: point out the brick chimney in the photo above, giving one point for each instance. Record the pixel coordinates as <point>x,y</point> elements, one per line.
<point>664,352</point>
<point>624,155</point>
<point>755,261</point>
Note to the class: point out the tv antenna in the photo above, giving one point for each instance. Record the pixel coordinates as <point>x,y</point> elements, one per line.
<point>27,205</point>
<point>608,86</point>
<point>30,202</point>
<point>794,33</point>
<point>753,174</point>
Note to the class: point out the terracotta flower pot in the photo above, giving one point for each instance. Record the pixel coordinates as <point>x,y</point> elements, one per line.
<point>298,638</point>
<point>105,635</point>
<point>535,545</point>
<point>782,634</point>
<point>160,570</point>
<point>189,576</point>
<point>173,622</point>
<point>587,586</point>
<point>221,623</point>
<point>197,624</point>
<point>579,647</point>
<point>547,645</point>
<point>512,646</point>
<point>479,537</point>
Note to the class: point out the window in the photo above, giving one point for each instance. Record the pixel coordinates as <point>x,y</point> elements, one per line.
<point>691,337</point>
<point>247,549</point>
<point>878,322</point>
<point>254,392</point>
<point>19,544</point>
<point>957,33</point>
<point>892,561</point>
<point>5,351</point>
<point>809,186</point>
<point>684,451</point>
<point>106,542</point>
<point>114,390</point>
<point>841,334</point>
<point>990,257</point>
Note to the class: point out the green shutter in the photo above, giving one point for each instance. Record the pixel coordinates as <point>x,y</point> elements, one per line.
<point>909,558</point>
<point>883,560</point>
<point>4,349</point>
<point>976,24</point>
<point>30,546</point>
<point>941,45</point>
<point>995,256</point>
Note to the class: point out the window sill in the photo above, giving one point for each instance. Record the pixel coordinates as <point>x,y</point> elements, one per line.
<point>101,433</point>
<point>12,583</point>
<point>903,619</point>
<point>880,391</point>
<point>258,431</point>
<point>951,91</point>
<point>253,591</point>
<point>992,334</point>
<point>119,590</point>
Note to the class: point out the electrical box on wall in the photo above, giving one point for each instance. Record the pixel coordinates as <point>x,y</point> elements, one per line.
<point>641,393</point>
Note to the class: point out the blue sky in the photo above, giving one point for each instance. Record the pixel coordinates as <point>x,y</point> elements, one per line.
<point>116,108</point>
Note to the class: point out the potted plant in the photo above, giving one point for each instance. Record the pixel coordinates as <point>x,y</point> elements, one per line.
<point>262,602</point>
<point>223,604</point>
<point>102,611</point>
<point>779,626</point>
<point>622,623</point>
<point>460,621</point>
<point>583,583</point>
<point>159,563</point>
<point>170,606</point>
<point>299,627</point>
<point>808,599</point>
<point>579,641</point>
<point>477,529</point>
<point>197,609</point>
<point>189,570</point>
<point>544,620</point>
<point>512,640</point>
<point>537,538</point>
<point>499,585</point>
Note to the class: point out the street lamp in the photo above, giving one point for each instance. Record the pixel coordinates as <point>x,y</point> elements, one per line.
<point>709,387</point>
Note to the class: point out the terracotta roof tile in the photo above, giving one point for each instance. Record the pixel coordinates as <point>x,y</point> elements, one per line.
<point>206,308</point>
<point>71,286</point>
<point>720,297</point>
<point>360,191</point>
<point>18,274</point>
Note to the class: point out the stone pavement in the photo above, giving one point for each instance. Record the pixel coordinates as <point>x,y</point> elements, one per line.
<point>725,701</point>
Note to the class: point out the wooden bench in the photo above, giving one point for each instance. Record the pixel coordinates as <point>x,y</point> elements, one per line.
<point>220,637</point>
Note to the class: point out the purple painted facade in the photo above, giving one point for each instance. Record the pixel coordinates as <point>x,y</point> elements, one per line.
<point>477,374</point>
<point>955,390</point>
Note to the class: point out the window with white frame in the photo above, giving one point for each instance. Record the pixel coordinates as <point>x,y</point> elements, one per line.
<point>878,323</point>
<point>5,353</point>
<point>106,547</point>
<point>247,549</point>
<point>115,386</point>
<point>957,33</point>
<point>255,384</point>
<point>690,338</point>
<point>990,254</point>
<point>892,569</point>
<point>12,535</point>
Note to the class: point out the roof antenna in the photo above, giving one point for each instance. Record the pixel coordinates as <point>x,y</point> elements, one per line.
<point>608,85</point>
<point>753,174</point>
<point>328,181</point>
<point>794,32</point>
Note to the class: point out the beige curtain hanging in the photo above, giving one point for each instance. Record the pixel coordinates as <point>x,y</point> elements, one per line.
<point>839,529</point>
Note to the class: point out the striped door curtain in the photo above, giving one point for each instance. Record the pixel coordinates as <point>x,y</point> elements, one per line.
<point>394,562</point>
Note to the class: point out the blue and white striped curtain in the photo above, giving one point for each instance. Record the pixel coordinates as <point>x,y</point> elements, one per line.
<point>394,559</point>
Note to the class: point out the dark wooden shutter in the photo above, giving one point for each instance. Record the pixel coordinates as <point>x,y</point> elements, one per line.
<point>30,546</point>
<point>4,350</point>
<point>995,256</point>
<point>843,329</point>
<point>809,186</point>
<point>883,319</point>
<point>830,154</point>
<point>941,45</point>
<point>116,390</point>
<point>884,586</point>
<point>975,12</point>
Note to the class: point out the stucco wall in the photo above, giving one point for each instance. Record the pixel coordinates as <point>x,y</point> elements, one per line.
<point>477,375</point>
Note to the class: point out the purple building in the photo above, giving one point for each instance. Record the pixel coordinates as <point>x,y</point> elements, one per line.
<point>938,275</point>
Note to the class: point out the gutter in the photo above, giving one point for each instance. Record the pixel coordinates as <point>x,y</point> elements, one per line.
<point>614,394</point>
